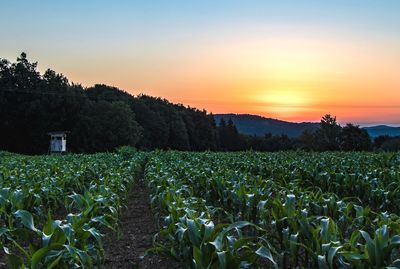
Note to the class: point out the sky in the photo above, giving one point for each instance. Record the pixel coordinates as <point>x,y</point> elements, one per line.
<point>292,60</point>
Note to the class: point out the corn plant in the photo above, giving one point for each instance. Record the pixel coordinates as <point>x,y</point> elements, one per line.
<point>311,210</point>
<point>55,208</point>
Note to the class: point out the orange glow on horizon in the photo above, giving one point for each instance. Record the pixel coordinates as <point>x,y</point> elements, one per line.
<point>296,79</point>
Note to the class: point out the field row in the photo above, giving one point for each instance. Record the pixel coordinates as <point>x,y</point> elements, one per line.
<point>215,210</point>
<point>53,210</point>
<point>283,210</point>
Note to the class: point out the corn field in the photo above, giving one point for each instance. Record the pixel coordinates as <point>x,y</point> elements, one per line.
<point>54,210</point>
<point>279,210</point>
<point>214,210</point>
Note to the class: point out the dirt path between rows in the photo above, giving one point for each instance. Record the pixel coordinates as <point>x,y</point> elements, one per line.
<point>137,231</point>
<point>136,235</point>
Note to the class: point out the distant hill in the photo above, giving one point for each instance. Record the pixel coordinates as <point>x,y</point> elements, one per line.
<point>378,130</point>
<point>258,125</point>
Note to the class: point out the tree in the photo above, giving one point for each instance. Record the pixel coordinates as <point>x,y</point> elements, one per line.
<point>391,145</point>
<point>178,135</point>
<point>54,81</point>
<point>222,134</point>
<point>354,138</point>
<point>155,127</point>
<point>328,135</point>
<point>307,140</point>
<point>104,126</point>
<point>232,136</point>
<point>25,74</point>
<point>229,137</point>
<point>380,140</point>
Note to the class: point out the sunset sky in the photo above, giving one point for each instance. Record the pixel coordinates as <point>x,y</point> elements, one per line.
<point>293,60</point>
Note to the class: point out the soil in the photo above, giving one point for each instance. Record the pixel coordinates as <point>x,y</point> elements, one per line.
<point>136,235</point>
<point>3,263</point>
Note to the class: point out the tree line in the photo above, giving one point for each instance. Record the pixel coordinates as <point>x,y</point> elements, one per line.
<point>102,118</point>
<point>330,136</point>
<point>98,118</point>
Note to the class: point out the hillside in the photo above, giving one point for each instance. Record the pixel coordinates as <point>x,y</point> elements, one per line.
<point>258,125</point>
<point>375,131</point>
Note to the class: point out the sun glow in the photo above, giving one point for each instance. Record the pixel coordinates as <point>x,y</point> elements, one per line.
<point>283,102</point>
<point>285,98</point>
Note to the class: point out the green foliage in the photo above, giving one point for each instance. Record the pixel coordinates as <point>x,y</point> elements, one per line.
<point>354,138</point>
<point>126,152</point>
<point>55,208</point>
<point>104,126</point>
<point>215,210</point>
<point>283,210</point>
<point>328,135</point>
<point>392,144</point>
